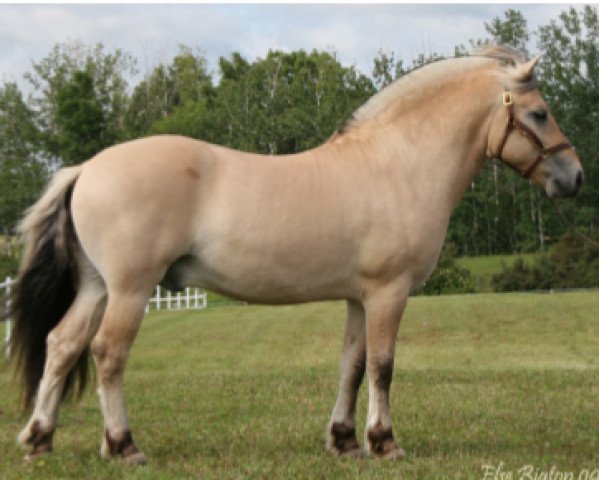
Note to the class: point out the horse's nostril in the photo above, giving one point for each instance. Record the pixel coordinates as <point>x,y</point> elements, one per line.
<point>579,179</point>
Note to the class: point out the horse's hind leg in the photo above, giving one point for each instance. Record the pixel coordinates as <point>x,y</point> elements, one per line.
<point>341,432</point>
<point>65,343</point>
<point>110,348</point>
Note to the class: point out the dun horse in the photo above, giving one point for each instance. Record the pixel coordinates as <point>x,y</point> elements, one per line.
<point>361,218</point>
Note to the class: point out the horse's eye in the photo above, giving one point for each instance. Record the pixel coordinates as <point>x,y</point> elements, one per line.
<point>539,115</point>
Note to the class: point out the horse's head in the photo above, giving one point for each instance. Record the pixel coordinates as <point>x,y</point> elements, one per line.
<point>525,136</point>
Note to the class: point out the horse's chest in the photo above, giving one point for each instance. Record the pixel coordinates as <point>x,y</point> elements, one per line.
<point>401,251</point>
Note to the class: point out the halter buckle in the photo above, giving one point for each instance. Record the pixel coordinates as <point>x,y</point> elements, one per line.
<point>507,99</point>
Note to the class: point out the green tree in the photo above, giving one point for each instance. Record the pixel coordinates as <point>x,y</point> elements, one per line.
<point>286,102</point>
<point>386,69</point>
<point>512,30</point>
<point>22,173</point>
<point>66,70</point>
<point>570,81</point>
<point>500,213</point>
<point>80,120</point>
<point>424,59</point>
<point>183,85</point>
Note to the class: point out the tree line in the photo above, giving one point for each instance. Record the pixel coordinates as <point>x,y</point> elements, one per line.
<point>81,102</point>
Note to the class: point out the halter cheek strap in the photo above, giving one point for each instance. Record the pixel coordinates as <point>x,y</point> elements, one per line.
<point>514,124</point>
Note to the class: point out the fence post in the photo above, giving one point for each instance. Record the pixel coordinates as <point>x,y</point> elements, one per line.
<point>158,297</point>
<point>7,331</point>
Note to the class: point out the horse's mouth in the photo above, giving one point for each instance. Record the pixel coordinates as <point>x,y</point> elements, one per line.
<point>564,188</point>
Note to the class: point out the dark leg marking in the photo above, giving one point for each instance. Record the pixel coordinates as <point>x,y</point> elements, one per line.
<point>356,380</point>
<point>40,439</point>
<point>358,374</point>
<point>384,375</point>
<point>123,446</point>
<point>381,440</point>
<point>344,438</point>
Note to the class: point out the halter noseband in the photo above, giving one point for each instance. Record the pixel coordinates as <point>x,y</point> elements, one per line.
<point>514,124</point>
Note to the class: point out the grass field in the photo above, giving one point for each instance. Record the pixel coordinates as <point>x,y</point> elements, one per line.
<point>484,267</point>
<point>245,392</point>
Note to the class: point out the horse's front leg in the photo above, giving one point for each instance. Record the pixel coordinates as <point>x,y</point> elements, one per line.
<point>341,432</point>
<point>384,308</point>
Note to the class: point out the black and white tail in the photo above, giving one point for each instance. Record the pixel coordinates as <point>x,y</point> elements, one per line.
<point>46,284</point>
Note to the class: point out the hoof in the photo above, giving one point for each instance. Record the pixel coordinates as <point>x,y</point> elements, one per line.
<point>342,442</point>
<point>355,453</point>
<point>122,446</point>
<point>394,453</point>
<point>134,459</point>
<point>382,445</point>
<point>35,454</point>
<point>39,438</point>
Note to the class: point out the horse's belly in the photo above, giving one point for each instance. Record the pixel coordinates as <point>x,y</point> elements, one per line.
<point>263,278</point>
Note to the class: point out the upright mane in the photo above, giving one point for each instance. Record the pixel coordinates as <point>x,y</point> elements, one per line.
<point>421,82</point>
<point>513,70</point>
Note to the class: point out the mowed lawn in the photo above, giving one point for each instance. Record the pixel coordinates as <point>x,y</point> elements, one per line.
<point>506,380</point>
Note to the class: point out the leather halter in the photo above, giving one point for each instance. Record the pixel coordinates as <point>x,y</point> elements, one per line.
<point>514,124</point>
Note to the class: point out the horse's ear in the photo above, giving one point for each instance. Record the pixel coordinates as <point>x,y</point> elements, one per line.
<point>527,69</point>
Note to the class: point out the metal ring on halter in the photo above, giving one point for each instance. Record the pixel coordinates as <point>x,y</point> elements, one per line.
<point>514,124</point>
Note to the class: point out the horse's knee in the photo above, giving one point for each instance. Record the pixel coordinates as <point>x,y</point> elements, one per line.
<point>62,353</point>
<point>98,349</point>
<point>110,359</point>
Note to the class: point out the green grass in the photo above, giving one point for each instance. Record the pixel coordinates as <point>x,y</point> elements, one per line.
<point>246,392</point>
<point>216,300</point>
<point>484,267</point>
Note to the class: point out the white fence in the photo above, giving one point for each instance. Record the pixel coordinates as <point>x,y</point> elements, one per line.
<point>6,286</point>
<point>188,299</point>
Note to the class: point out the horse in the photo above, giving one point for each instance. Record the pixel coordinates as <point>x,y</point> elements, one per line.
<point>361,218</point>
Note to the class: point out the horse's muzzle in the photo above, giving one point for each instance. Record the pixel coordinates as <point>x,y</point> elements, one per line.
<point>565,188</point>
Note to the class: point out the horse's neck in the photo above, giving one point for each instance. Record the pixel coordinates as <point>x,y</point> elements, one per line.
<point>459,150</point>
<point>438,148</point>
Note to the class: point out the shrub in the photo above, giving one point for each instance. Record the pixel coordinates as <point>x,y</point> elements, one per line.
<point>572,263</point>
<point>448,277</point>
